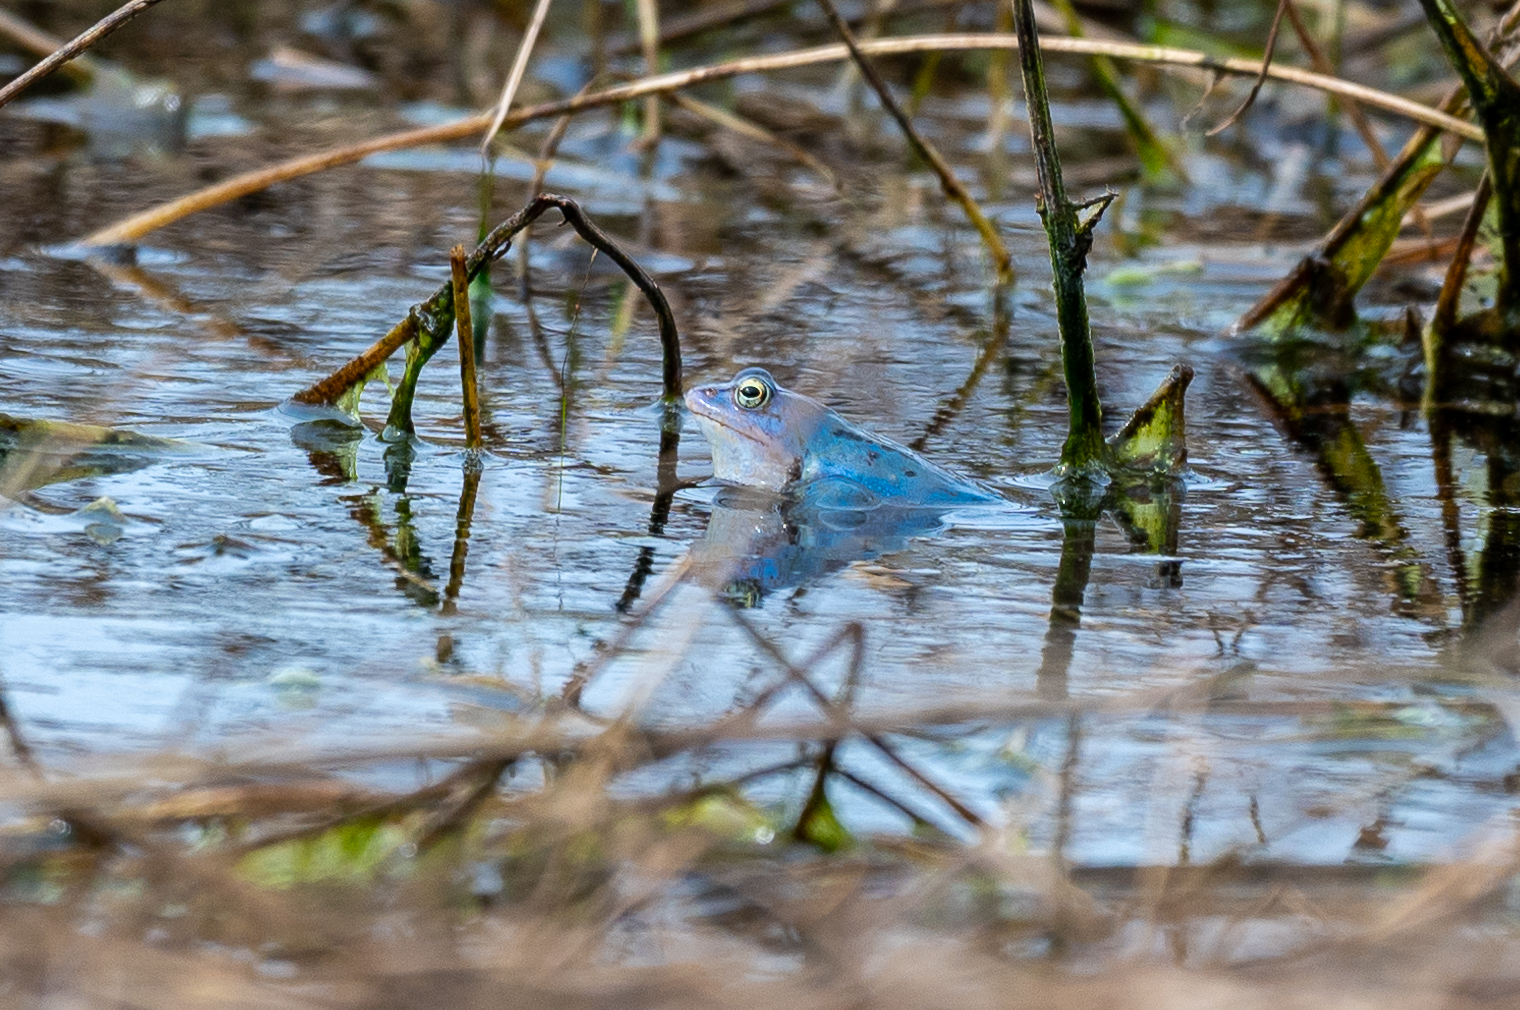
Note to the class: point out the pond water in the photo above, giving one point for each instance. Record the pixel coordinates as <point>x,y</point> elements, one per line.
<point>1277,681</point>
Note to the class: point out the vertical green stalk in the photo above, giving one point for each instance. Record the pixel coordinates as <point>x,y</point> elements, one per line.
<point>1084,454</point>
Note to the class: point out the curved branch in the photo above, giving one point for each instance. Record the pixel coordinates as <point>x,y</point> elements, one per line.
<point>423,319</point>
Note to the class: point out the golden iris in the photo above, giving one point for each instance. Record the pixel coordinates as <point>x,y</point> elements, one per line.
<point>752,394</point>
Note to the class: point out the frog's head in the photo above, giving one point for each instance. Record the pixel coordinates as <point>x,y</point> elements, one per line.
<point>758,431</point>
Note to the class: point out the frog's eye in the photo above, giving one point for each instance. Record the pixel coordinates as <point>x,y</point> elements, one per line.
<point>752,393</point>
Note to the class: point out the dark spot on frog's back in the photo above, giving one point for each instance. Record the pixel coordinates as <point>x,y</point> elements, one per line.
<point>910,473</point>
<point>847,433</point>
<point>872,456</point>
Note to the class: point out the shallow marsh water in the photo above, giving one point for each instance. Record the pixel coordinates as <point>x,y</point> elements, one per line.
<point>282,583</point>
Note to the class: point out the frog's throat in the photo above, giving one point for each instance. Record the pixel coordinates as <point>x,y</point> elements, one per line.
<point>732,430</point>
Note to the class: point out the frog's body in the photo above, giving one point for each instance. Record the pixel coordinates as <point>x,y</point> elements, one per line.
<point>765,436</point>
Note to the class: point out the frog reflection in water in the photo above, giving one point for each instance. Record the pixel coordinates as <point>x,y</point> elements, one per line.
<point>836,492</point>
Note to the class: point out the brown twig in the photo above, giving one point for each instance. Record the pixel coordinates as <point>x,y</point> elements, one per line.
<point>136,226</point>
<point>470,391</point>
<point>952,187</point>
<point>1451,287</point>
<point>99,30</point>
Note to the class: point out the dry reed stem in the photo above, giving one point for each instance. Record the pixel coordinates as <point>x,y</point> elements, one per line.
<point>99,30</point>
<point>137,225</point>
<point>1353,108</point>
<point>38,42</point>
<point>649,41</point>
<point>470,392</point>
<point>514,78</point>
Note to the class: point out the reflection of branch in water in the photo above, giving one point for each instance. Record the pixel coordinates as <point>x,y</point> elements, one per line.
<point>462,519</point>
<point>1451,515</point>
<point>666,484</point>
<point>213,322</point>
<point>331,447</point>
<point>1318,417</point>
<point>1190,817</point>
<point>1152,518</point>
<point>992,344</point>
<point>1498,568</point>
<point>1150,515</point>
<point>1077,544</point>
<point>1063,927</point>
<point>413,568</point>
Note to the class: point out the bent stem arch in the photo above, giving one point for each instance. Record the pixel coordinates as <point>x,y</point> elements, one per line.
<point>427,325</point>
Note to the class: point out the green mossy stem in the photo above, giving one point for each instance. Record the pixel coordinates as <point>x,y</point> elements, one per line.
<point>1084,454</point>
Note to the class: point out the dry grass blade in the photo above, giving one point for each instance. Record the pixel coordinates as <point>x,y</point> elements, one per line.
<point>135,227</point>
<point>519,66</point>
<point>99,30</point>
<point>1322,64</point>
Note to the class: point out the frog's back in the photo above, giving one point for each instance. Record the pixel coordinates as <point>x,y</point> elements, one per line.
<point>890,472</point>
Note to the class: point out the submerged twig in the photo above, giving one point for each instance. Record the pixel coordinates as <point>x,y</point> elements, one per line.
<point>133,228</point>
<point>99,30</point>
<point>952,186</point>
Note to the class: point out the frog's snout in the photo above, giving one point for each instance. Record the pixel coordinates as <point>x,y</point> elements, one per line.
<point>695,398</point>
